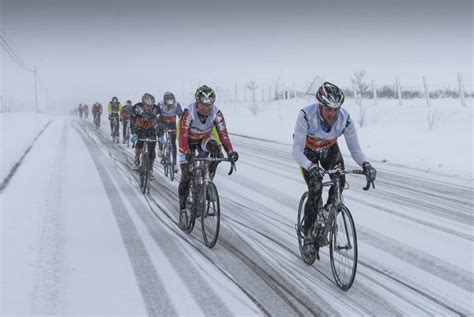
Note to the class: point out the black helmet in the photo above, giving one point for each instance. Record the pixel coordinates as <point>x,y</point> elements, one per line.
<point>330,95</point>
<point>148,99</point>
<point>168,98</point>
<point>129,102</point>
<point>205,95</point>
<point>114,99</point>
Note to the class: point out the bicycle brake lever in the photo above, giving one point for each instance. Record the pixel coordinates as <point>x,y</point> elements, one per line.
<point>367,186</point>
<point>232,168</point>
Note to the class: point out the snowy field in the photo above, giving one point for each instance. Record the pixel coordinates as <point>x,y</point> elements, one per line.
<point>85,241</point>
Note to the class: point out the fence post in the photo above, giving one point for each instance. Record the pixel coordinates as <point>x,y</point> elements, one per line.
<point>427,93</point>
<point>374,92</point>
<point>235,92</point>
<point>399,92</point>
<point>270,93</point>
<point>461,90</point>
<point>263,93</point>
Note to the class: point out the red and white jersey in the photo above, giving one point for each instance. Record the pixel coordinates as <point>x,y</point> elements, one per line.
<point>194,127</point>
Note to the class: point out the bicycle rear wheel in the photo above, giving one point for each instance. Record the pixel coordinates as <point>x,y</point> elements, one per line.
<point>210,219</point>
<point>343,249</point>
<point>144,173</point>
<point>307,258</point>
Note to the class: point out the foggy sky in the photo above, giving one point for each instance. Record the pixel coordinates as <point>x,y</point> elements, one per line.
<point>91,50</point>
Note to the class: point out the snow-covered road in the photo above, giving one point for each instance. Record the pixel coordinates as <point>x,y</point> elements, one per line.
<point>79,238</point>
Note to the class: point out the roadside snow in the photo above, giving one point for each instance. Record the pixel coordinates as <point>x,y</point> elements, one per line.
<point>393,134</point>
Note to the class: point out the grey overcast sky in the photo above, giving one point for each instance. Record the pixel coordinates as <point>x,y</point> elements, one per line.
<point>90,50</point>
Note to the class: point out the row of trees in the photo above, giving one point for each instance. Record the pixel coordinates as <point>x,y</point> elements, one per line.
<point>390,91</point>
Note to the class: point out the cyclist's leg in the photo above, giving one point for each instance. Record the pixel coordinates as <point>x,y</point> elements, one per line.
<point>183,188</point>
<point>315,188</point>
<point>151,146</point>
<point>124,128</point>
<point>160,131</point>
<point>173,145</point>
<point>138,147</point>
<point>330,159</point>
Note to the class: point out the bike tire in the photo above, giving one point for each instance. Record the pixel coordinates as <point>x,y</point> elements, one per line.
<point>343,238</point>
<point>307,258</point>
<point>144,174</point>
<point>210,218</point>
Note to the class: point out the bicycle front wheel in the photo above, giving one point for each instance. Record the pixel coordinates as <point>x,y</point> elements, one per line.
<point>144,173</point>
<point>343,248</point>
<point>210,219</point>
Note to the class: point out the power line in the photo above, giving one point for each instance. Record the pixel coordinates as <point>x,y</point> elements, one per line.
<point>8,48</point>
<point>19,61</point>
<point>12,48</point>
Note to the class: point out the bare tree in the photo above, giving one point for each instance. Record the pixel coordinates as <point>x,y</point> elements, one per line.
<point>252,85</point>
<point>362,89</point>
<point>433,118</point>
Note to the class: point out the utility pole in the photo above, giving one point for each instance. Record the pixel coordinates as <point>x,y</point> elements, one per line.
<point>36,91</point>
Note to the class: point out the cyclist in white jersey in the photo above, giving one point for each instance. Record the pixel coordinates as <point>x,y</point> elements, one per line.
<point>315,143</point>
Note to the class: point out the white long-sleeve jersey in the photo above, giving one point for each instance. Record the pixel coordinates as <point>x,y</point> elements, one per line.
<point>312,131</point>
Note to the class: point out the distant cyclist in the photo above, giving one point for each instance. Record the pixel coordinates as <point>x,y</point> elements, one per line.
<point>315,143</point>
<point>144,118</point>
<point>96,112</point>
<point>85,109</point>
<point>125,114</point>
<point>80,110</point>
<point>113,108</point>
<point>195,126</point>
<point>169,110</point>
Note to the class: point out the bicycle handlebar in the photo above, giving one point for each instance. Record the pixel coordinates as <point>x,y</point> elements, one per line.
<point>217,159</point>
<point>144,140</point>
<point>343,172</point>
<point>147,140</point>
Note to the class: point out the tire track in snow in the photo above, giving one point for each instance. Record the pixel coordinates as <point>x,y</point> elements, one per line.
<point>208,301</point>
<point>17,165</point>
<point>46,294</point>
<point>155,297</point>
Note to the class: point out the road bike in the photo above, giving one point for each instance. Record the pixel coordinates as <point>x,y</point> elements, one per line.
<point>203,200</point>
<point>168,159</point>
<point>144,165</point>
<point>335,227</point>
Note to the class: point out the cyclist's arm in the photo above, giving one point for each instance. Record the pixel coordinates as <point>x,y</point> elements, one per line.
<point>179,110</point>
<point>219,123</point>
<point>299,141</point>
<point>184,126</point>
<point>352,141</point>
<point>109,108</point>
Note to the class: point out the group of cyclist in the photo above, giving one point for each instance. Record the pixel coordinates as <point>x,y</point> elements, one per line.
<point>315,146</point>
<point>83,111</point>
